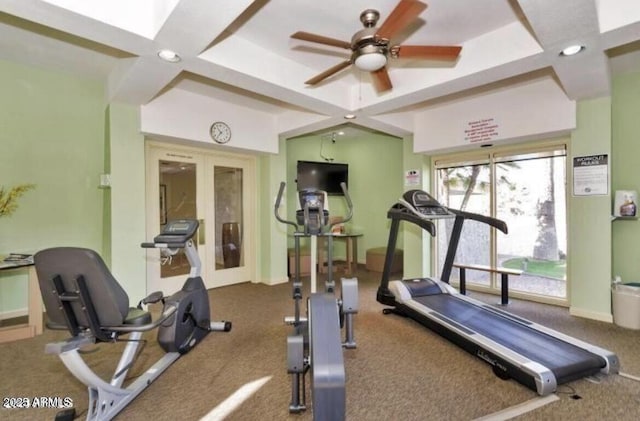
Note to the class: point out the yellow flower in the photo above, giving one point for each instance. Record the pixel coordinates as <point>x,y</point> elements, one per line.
<point>9,199</point>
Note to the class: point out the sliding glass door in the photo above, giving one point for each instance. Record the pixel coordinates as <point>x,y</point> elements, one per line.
<point>466,186</point>
<point>531,198</point>
<point>526,188</point>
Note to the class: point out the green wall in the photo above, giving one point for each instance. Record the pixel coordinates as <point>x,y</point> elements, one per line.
<point>375,182</point>
<point>52,134</point>
<point>272,250</point>
<point>625,172</point>
<point>127,200</point>
<point>589,222</point>
<point>416,242</point>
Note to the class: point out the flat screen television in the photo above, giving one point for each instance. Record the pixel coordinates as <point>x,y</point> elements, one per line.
<point>325,176</point>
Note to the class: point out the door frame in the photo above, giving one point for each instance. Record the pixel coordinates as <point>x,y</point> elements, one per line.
<point>204,157</point>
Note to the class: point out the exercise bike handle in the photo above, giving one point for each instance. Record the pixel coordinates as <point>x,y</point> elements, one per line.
<point>277,207</point>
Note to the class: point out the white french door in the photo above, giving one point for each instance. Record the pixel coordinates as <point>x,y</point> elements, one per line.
<point>218,190</point>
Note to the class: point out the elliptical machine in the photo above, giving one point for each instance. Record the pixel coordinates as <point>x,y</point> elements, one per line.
<point>315,343</point>
<point>81,295</point>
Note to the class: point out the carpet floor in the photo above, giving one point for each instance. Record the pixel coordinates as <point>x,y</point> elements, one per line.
<point>399,371</point>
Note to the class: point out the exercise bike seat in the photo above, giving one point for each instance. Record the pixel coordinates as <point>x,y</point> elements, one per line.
<point>63,274</point>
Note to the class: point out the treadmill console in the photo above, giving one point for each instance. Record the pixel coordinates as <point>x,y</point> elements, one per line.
<point>424,205</point>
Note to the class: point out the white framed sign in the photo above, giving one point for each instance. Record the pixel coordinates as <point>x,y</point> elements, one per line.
<point>591,175</point>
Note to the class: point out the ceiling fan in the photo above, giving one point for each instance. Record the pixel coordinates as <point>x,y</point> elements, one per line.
<point>370,47</point>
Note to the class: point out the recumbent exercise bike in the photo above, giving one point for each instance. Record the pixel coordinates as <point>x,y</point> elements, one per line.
<point>81,295</point>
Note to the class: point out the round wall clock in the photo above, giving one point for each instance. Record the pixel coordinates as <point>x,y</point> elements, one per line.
<point>220,132</point>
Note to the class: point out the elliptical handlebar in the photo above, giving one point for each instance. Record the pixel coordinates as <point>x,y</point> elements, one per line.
<point>347,218</point>
<point>276,208</point>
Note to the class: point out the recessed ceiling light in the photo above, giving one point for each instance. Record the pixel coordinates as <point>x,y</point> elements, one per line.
<point>168,55</point>
<point>349,116</point>
<point>572,50</point>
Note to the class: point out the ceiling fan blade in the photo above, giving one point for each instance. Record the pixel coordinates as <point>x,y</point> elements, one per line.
<point>328,72</point>
<point>401,16</point>
<point>430,52</point>
<point>381,80</point>
<point>306,36</point>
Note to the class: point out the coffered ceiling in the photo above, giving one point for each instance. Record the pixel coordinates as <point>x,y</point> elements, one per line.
<point>241,50</point>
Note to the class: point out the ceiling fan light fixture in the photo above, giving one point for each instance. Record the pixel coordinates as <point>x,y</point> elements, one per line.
<point>371,62</point>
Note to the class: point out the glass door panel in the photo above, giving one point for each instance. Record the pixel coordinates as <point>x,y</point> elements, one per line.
<point>230,220</point>
<point>177,201</point>
<point>465,187</point>
<point>174,189</point>
<point>531,199</point>
<point>227,186</point>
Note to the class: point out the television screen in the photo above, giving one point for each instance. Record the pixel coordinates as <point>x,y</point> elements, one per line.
<point>322,175</point>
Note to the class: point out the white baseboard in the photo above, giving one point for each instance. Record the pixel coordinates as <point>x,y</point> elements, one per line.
<point>275,281</point>
<point>587,314</point>
<point>4,315</point>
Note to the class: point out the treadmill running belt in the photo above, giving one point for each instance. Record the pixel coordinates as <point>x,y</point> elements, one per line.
<point>565,360</point>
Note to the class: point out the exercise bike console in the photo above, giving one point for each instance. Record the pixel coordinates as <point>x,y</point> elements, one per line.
<point>175,233</point>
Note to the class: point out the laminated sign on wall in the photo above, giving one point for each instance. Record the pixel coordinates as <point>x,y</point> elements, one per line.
<point>591,175</point>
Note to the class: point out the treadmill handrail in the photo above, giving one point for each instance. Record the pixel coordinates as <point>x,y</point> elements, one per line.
<point>494,222</point>
<point>399,212</point>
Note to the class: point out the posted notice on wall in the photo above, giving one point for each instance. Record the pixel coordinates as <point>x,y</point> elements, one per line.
<point>591,175</point>
<point>481,130</point>
<point>412,178</point>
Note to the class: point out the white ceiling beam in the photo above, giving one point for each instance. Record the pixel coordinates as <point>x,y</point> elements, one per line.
<point>138,80</point>
<point>559,24</point>
<point>194,24</point>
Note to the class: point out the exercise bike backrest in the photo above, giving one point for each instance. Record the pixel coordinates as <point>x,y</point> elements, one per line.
<point>312,216</point>
<point>177,235</point>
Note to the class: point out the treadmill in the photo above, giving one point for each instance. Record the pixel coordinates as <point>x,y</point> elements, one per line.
<point>534,355</point>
